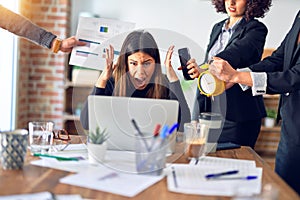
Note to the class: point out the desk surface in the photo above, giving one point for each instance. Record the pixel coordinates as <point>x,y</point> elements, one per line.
<point>37,179</point>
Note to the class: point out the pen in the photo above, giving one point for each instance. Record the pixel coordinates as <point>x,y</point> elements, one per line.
<point>156,130</point>
<point>173,128</point>
<point>53,196</point>
<point>57,157</point>
<point>217,175</point>
<point>234,178</point>
<point>163,135</point>
<point>164,131</point>
<point>140,133</point>
<point>155,134</point>
<point>174,177</point>
<point>107,176</point>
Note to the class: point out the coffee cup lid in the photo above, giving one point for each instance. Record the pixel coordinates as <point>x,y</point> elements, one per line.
<point>210,116</point>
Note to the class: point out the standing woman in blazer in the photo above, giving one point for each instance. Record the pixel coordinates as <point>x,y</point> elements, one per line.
<point>240,40</point>
<point>277,74</point>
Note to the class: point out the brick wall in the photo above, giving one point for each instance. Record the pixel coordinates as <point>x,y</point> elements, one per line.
<point>41,73</point>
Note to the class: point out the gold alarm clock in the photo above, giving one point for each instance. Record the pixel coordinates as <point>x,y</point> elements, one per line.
<point>210,85</point>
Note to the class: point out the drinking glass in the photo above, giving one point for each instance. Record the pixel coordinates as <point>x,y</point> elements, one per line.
<point>196,139</point>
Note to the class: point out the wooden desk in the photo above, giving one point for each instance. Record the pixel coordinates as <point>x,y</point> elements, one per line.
<point>37,179</point>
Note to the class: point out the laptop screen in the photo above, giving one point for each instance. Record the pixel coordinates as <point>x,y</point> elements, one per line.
<point>115,114</point>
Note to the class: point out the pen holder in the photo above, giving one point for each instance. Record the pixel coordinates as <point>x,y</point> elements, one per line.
<point>13,147</point>
<point>150,155</point>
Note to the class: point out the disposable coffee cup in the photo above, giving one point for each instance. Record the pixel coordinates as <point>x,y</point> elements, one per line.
<point>212,120</point>
<point>214,123</point>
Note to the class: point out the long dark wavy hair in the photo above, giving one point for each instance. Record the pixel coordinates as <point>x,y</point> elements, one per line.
<point>139,41</point>
<point>254,8</point>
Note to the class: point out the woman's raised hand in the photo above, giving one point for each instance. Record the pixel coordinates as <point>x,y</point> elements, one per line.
<point>109,68</point>
<point>171,74</point>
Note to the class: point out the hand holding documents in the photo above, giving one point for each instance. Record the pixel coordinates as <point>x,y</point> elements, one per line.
<point>95,31</point>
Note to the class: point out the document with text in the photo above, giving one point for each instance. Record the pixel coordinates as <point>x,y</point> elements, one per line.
<point>95,32</point>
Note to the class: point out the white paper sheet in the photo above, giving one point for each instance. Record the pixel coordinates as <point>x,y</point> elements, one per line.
<point>108,180</point>
<point>40,196</point>
<point>116,175</point>
<point>228,162</point>
<point>190,179</point>
<point>95,31</point>
<point>73,150</point>
<point>122,161</point>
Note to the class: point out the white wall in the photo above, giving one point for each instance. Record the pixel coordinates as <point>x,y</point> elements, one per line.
<point>195,21</point>
<point>279,20</point>
<point>8,71</point>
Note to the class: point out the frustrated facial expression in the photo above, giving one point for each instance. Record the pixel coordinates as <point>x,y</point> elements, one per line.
<point>141,68</point>
<point>235,8</point>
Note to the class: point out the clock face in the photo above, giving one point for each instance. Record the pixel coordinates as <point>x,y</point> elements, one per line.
<point>207,83</point>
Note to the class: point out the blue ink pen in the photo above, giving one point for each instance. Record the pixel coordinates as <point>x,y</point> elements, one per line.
<point>217,175</point>
<point>234,178</point>
<point>175,126</point>
<point>164,131</point>
<point>163,135</point>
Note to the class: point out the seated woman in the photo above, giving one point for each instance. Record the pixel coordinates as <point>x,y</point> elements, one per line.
<point>138,73</point>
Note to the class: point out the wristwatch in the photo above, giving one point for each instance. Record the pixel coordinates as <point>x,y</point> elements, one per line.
<point>56,44</point>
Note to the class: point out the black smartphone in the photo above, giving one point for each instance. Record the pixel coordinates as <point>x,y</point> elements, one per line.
<point>184,57</point>
<point>227,145</point>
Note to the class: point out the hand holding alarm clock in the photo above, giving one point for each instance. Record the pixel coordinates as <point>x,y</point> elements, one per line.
<point>208,84</point>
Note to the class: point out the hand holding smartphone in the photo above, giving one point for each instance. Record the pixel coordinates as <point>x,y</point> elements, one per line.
<point>184,57</point>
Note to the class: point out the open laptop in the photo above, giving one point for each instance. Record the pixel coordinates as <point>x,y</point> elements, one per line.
<point>115,114</point>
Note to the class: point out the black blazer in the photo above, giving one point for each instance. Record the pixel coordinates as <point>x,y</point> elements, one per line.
<point>244,48</point>
<point>283,77</point>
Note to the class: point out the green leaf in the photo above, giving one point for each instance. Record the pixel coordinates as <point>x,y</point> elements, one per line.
<point>98,137</point>
<point>271,113</point>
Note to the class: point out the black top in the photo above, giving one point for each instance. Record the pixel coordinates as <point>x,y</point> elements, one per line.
<point>283,72</point>
<point>174,92</point>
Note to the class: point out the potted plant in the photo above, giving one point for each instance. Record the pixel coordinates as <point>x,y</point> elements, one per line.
<point>96,145</point>
<point>271,117</point>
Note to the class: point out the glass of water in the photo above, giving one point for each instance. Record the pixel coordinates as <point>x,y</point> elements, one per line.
<point>40,136</point>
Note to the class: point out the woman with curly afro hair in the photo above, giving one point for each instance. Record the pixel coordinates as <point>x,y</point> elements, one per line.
<point>239,39</point>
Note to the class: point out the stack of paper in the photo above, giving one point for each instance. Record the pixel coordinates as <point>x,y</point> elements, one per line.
<point>191,178</point>
<point>116,175</point>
